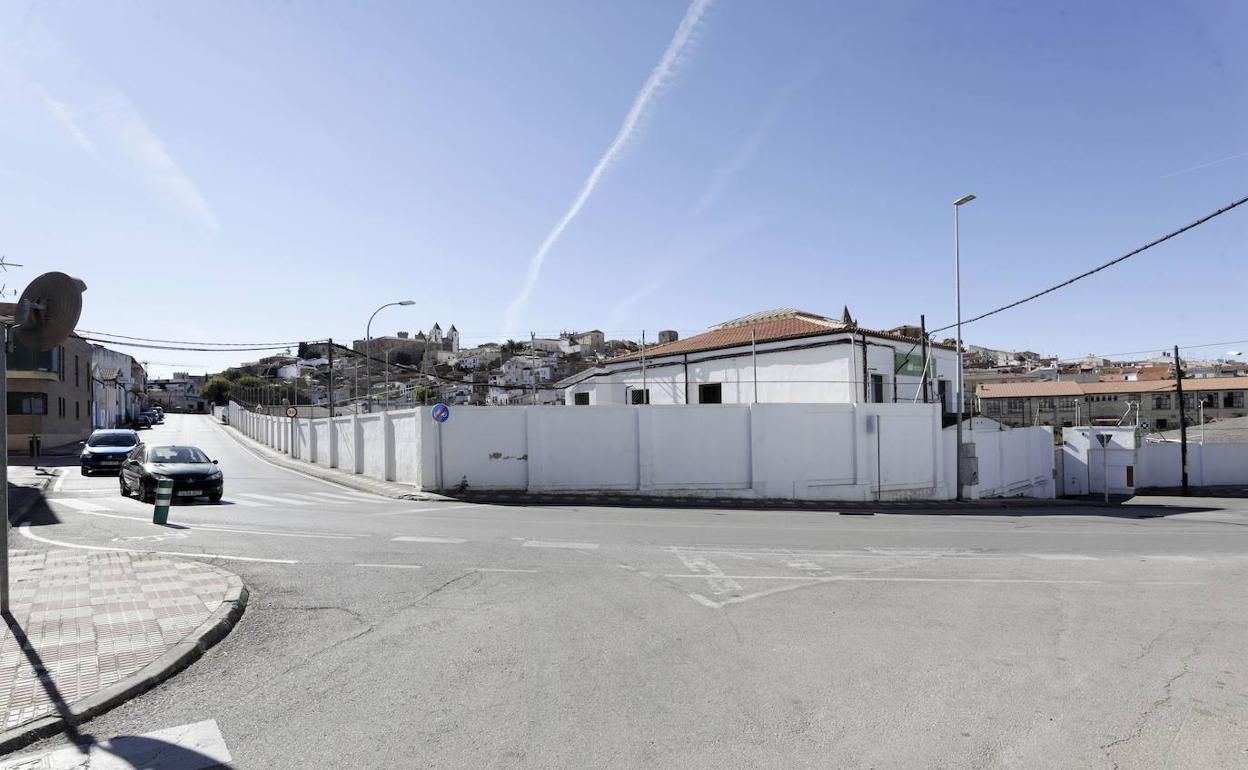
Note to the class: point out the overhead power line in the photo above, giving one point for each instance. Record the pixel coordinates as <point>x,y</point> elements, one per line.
<point>1099,268</point>
<point>189,342</point>
<point>124,344</point>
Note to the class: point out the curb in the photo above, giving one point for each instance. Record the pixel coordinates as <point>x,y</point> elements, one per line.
<point>279,460</point>
<point>175,659</point>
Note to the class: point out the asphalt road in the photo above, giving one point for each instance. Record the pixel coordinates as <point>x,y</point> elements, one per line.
<point>384,633</point>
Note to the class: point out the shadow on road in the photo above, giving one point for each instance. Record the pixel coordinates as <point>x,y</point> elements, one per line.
<point>38,513</point>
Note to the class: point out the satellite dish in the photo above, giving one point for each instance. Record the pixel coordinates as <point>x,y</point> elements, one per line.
<point>48,310</point>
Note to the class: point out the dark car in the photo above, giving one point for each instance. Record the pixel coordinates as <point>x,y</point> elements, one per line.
<point>105,450</point>
<point>192,473</point>
<point>140,421</point>
<point>153,417</point>
<point>158,415</point>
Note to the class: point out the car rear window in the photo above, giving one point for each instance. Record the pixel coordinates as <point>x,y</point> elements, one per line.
<point>113,439</point>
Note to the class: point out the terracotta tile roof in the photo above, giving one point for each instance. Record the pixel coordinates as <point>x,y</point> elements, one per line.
<point>1051,389</point>
<point>795,325</point>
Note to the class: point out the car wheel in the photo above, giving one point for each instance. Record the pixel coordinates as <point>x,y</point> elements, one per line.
<point>214,499</point>
<point>121,482</point>
<point>85,472</point>
<point>146,494</point>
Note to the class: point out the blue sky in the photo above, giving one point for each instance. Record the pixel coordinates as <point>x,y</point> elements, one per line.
<point>275,171</point>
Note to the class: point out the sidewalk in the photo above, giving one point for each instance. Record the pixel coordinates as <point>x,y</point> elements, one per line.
<point>91,630</point>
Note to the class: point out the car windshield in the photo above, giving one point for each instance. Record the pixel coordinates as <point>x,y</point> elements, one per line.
<point>176,454</point>
<point>112,439</point>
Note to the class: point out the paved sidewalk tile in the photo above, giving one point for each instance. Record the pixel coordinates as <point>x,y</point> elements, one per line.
<point>92,619</point>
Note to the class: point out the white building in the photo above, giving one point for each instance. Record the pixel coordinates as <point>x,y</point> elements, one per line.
<point>779,356</point>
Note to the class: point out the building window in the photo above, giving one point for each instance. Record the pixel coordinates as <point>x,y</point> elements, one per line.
<point>76,385</point>
<point>992,406</point>
<point>877,389</point>
<point>1067,404</point>
<point>1046,404</point>
<point>1233,399</point>
<point>27,403</point>
<point>1067,423</point>
<point>1161,402</point>
<point>580,399</point>
<point>60,362</point>
<point>1188,401</point>
<point>639,396</point>
<point>1015,405</point>
<point>77,410</point>
<point>710,394</point>
<point>1209,400</point>
<point>942,391</point>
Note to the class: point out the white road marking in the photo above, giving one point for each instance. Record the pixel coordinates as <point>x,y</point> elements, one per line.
<point>25,532</point>
<point>844,578</point>
<point>1060,556</point>
<point>556,544</point>
<point>704,568</point>
<point>277,500</point>
<point>217,528</point>
<point>426,510</point>
<point>60,479</point>
<point>188,747</point>
<point>349,498</point>
<point>420,539</point>
<point>80,505</point>
<point>700,599</point>
<point>1173,557</point>
<point>246,503</point>
<point>502,569</point>
<point>393,566</point>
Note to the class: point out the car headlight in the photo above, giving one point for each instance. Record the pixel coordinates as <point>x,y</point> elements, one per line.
<point>214,476</point>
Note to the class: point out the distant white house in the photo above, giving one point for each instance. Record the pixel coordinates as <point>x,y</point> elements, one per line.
<point>778,356</point>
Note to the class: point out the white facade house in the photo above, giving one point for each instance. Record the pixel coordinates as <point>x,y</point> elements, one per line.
<point>779,356</point>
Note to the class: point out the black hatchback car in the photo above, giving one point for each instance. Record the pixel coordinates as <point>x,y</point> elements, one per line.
<point>105,450</point>
<point>192,473</point>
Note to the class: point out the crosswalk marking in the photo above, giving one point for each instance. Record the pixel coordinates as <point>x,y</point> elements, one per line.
<point>277,500</point>
<point>350,498</point>
<point>188,747</point>
<point>418,539</point>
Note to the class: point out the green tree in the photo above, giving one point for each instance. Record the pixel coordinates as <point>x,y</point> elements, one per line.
<point>217,390</point>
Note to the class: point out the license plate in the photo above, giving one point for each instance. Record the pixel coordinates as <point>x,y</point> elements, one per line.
<point>190,493</point>
<point>110,462</point>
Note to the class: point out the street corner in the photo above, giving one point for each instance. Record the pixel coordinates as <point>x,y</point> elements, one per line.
<point>89,631</point>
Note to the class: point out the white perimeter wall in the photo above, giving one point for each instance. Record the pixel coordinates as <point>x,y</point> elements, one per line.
<point>784,451</point>
<point>1208,465</point>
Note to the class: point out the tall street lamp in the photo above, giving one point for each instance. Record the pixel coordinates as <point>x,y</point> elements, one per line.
<point>368,349</point>
<point>957,273</point>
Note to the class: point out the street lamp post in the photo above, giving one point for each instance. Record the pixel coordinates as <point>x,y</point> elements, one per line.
<point>957,273</point>
<point>388,352</point>
<point>368,349</point>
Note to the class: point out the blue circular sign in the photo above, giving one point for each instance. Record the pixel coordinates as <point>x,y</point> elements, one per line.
<point>441,412</point>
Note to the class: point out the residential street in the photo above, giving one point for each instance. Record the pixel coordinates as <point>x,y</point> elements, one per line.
<point>390,633</point>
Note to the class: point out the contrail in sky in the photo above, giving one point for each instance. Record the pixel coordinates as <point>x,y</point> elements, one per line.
<point>642,102</point>
<point>1207,165</point>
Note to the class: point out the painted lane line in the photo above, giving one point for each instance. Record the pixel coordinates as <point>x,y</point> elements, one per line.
<point>188,747</point>
<point>392,566</point>
<point>60,479</point>
<point>1060,556</point>
<point>322,500</point>
<point>556,544</point>
<point>277,500</point>
<point>420,539</point>
<point>502,569</point>
<point>25,532</point>
<point>702,567</point>
<point>426,510</point>
<point>218,528</point>
<point>1173,557</point>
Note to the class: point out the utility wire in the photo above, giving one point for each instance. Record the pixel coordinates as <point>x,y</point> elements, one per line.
<point>186,342</point>
<point>119,343</point>
<point>1099,268</point>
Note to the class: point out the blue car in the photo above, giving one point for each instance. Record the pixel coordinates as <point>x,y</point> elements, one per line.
<point>106,450</point>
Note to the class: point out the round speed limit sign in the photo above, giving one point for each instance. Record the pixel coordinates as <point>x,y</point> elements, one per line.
<point>292,411</point>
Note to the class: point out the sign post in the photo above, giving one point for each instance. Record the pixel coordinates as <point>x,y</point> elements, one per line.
<point>440,413</point>
<point>292,412</point>
<point>164,496</point>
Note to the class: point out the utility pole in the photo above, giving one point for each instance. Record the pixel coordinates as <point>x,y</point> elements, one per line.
<point>1178,384</point>
<point>533,363</point>
<point>923,350</point>
<point>645,394</point>
<point>331,377</point>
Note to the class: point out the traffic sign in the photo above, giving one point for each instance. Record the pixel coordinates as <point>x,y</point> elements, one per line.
<point>441,412</point>
<point>292,411</point>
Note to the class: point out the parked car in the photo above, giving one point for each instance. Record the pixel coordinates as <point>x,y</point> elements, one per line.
<point>159,411</point>
<point>141,420</point>
<point>152,417</point>
<point>192,473</point>
<point>106,450</point>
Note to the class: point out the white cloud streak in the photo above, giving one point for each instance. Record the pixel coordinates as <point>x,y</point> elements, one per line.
<point>62,114</point>
<point>660,76</point>
<point>1207,165</point>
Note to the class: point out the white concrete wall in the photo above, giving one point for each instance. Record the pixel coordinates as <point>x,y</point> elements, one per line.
<point>786,451</point>
<point>1085,463</point>
<point>1207,464</point>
